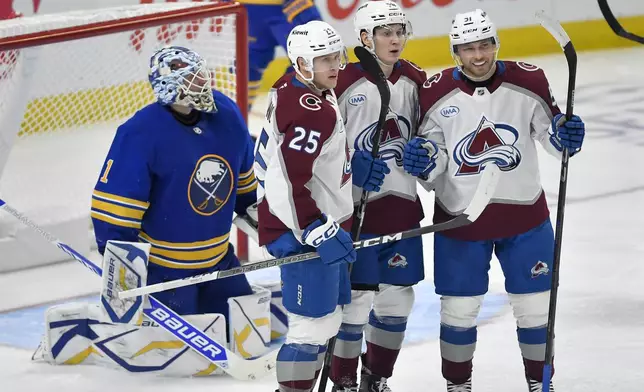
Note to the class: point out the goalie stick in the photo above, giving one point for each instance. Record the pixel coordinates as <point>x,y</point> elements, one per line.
<point>614,24</point>
<point>370,65</point>
<point>555,29</point>
<point>479,201</point>
<point>218,354</point>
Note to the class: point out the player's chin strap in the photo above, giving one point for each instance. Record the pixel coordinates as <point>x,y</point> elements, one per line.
<point>480,200</point>
<point>193,337</point>
<point>309,81</point>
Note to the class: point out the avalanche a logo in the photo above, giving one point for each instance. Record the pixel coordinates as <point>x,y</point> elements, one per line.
<point>489,142</point>
<point>346,172</point>
<point>395,134</point>
<point>210,185</point>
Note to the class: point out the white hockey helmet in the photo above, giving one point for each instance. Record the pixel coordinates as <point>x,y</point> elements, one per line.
<point>311,40</point>
<point>377,13</point>
<point>470,27</point>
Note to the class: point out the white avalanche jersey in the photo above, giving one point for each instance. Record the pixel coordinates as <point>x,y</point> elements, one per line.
<point>498,122</point>
<point>302,162</point>
<point>396,207</point>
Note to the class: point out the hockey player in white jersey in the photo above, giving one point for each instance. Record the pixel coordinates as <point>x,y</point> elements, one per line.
<point>382,278</point>
<point>488,111</point>
<point>303,165</point>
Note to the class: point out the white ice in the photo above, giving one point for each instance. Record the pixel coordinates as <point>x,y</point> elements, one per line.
<point>600,314</point>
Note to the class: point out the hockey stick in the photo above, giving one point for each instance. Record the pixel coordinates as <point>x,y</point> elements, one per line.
<point>481,198</point>
<point>614,23</point>
<point>555,29</point>
<point>370,65</point>
<point>231,363</point>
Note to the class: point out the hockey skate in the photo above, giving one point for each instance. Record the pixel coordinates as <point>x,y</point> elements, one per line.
<point>535,386</point>
<point>337,388</point>
<point>465,387</point>
<point>371,382</point>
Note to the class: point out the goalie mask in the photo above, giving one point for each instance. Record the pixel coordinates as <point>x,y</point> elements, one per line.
<point>311,40</point>
<point>180,76</point>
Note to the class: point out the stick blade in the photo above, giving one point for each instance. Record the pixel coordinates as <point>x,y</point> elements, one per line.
<point>484,192</point>
<point>554,28</point>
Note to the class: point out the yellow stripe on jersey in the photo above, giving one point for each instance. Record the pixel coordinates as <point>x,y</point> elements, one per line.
<point>190,255</point>
<point>118,210</point>
<point>248,188</point>
<point>120,199</point>
<point>184,265</point>
<point>185,245</point>
<point>247,174</point>
<point>243,181</point>
<point>115,221</point>
<point>295,8</point>
<point>187,255</point>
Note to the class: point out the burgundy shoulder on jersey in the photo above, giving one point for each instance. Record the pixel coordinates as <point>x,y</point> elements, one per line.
<point>531,78</point>
<point>435,88</point>
<point>347,77</point>
<point>298,106</point>
<point>412,72</point>
<point>307,121</point>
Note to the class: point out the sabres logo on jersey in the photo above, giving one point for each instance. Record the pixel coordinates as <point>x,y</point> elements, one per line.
<point>210,185</point>
<point>395,135</point>
<point>489,142</point>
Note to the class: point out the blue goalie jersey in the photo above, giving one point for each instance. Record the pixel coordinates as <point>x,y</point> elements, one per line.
<point>175,184</point>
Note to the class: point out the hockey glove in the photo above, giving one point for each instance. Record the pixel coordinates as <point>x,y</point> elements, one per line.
<point>569,134</point>
<point>419,158</point>
<point>331,241</point>
<point>368,173</point>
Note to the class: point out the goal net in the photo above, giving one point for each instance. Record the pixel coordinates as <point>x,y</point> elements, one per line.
<point>66,82</point>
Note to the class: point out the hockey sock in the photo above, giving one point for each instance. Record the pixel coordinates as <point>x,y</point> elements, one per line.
<point>384,336</point>
<point>457,350</point>
<point>532,342</point>
<point>348,347</point>
<point>297,366</point>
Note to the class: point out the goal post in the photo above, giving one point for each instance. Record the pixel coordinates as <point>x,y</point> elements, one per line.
<point>67,80</point>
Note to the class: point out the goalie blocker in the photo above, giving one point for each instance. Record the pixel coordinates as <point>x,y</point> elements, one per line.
<point>115,333</point>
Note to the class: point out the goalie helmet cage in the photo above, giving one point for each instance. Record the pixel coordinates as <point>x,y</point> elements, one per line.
<point>68,80</point>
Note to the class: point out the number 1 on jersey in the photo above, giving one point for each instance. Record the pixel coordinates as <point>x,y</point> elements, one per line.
<point>108,166</point>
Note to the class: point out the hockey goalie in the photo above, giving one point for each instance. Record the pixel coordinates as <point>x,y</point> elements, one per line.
<point>162,210</point>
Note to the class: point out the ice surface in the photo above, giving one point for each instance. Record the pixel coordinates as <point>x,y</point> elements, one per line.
<point>600,315</point>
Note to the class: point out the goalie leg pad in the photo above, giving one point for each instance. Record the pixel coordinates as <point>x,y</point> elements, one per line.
<point>75,335</point>
<point>250,323</point>
<point>279,318</point>
<point>125,267</point>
